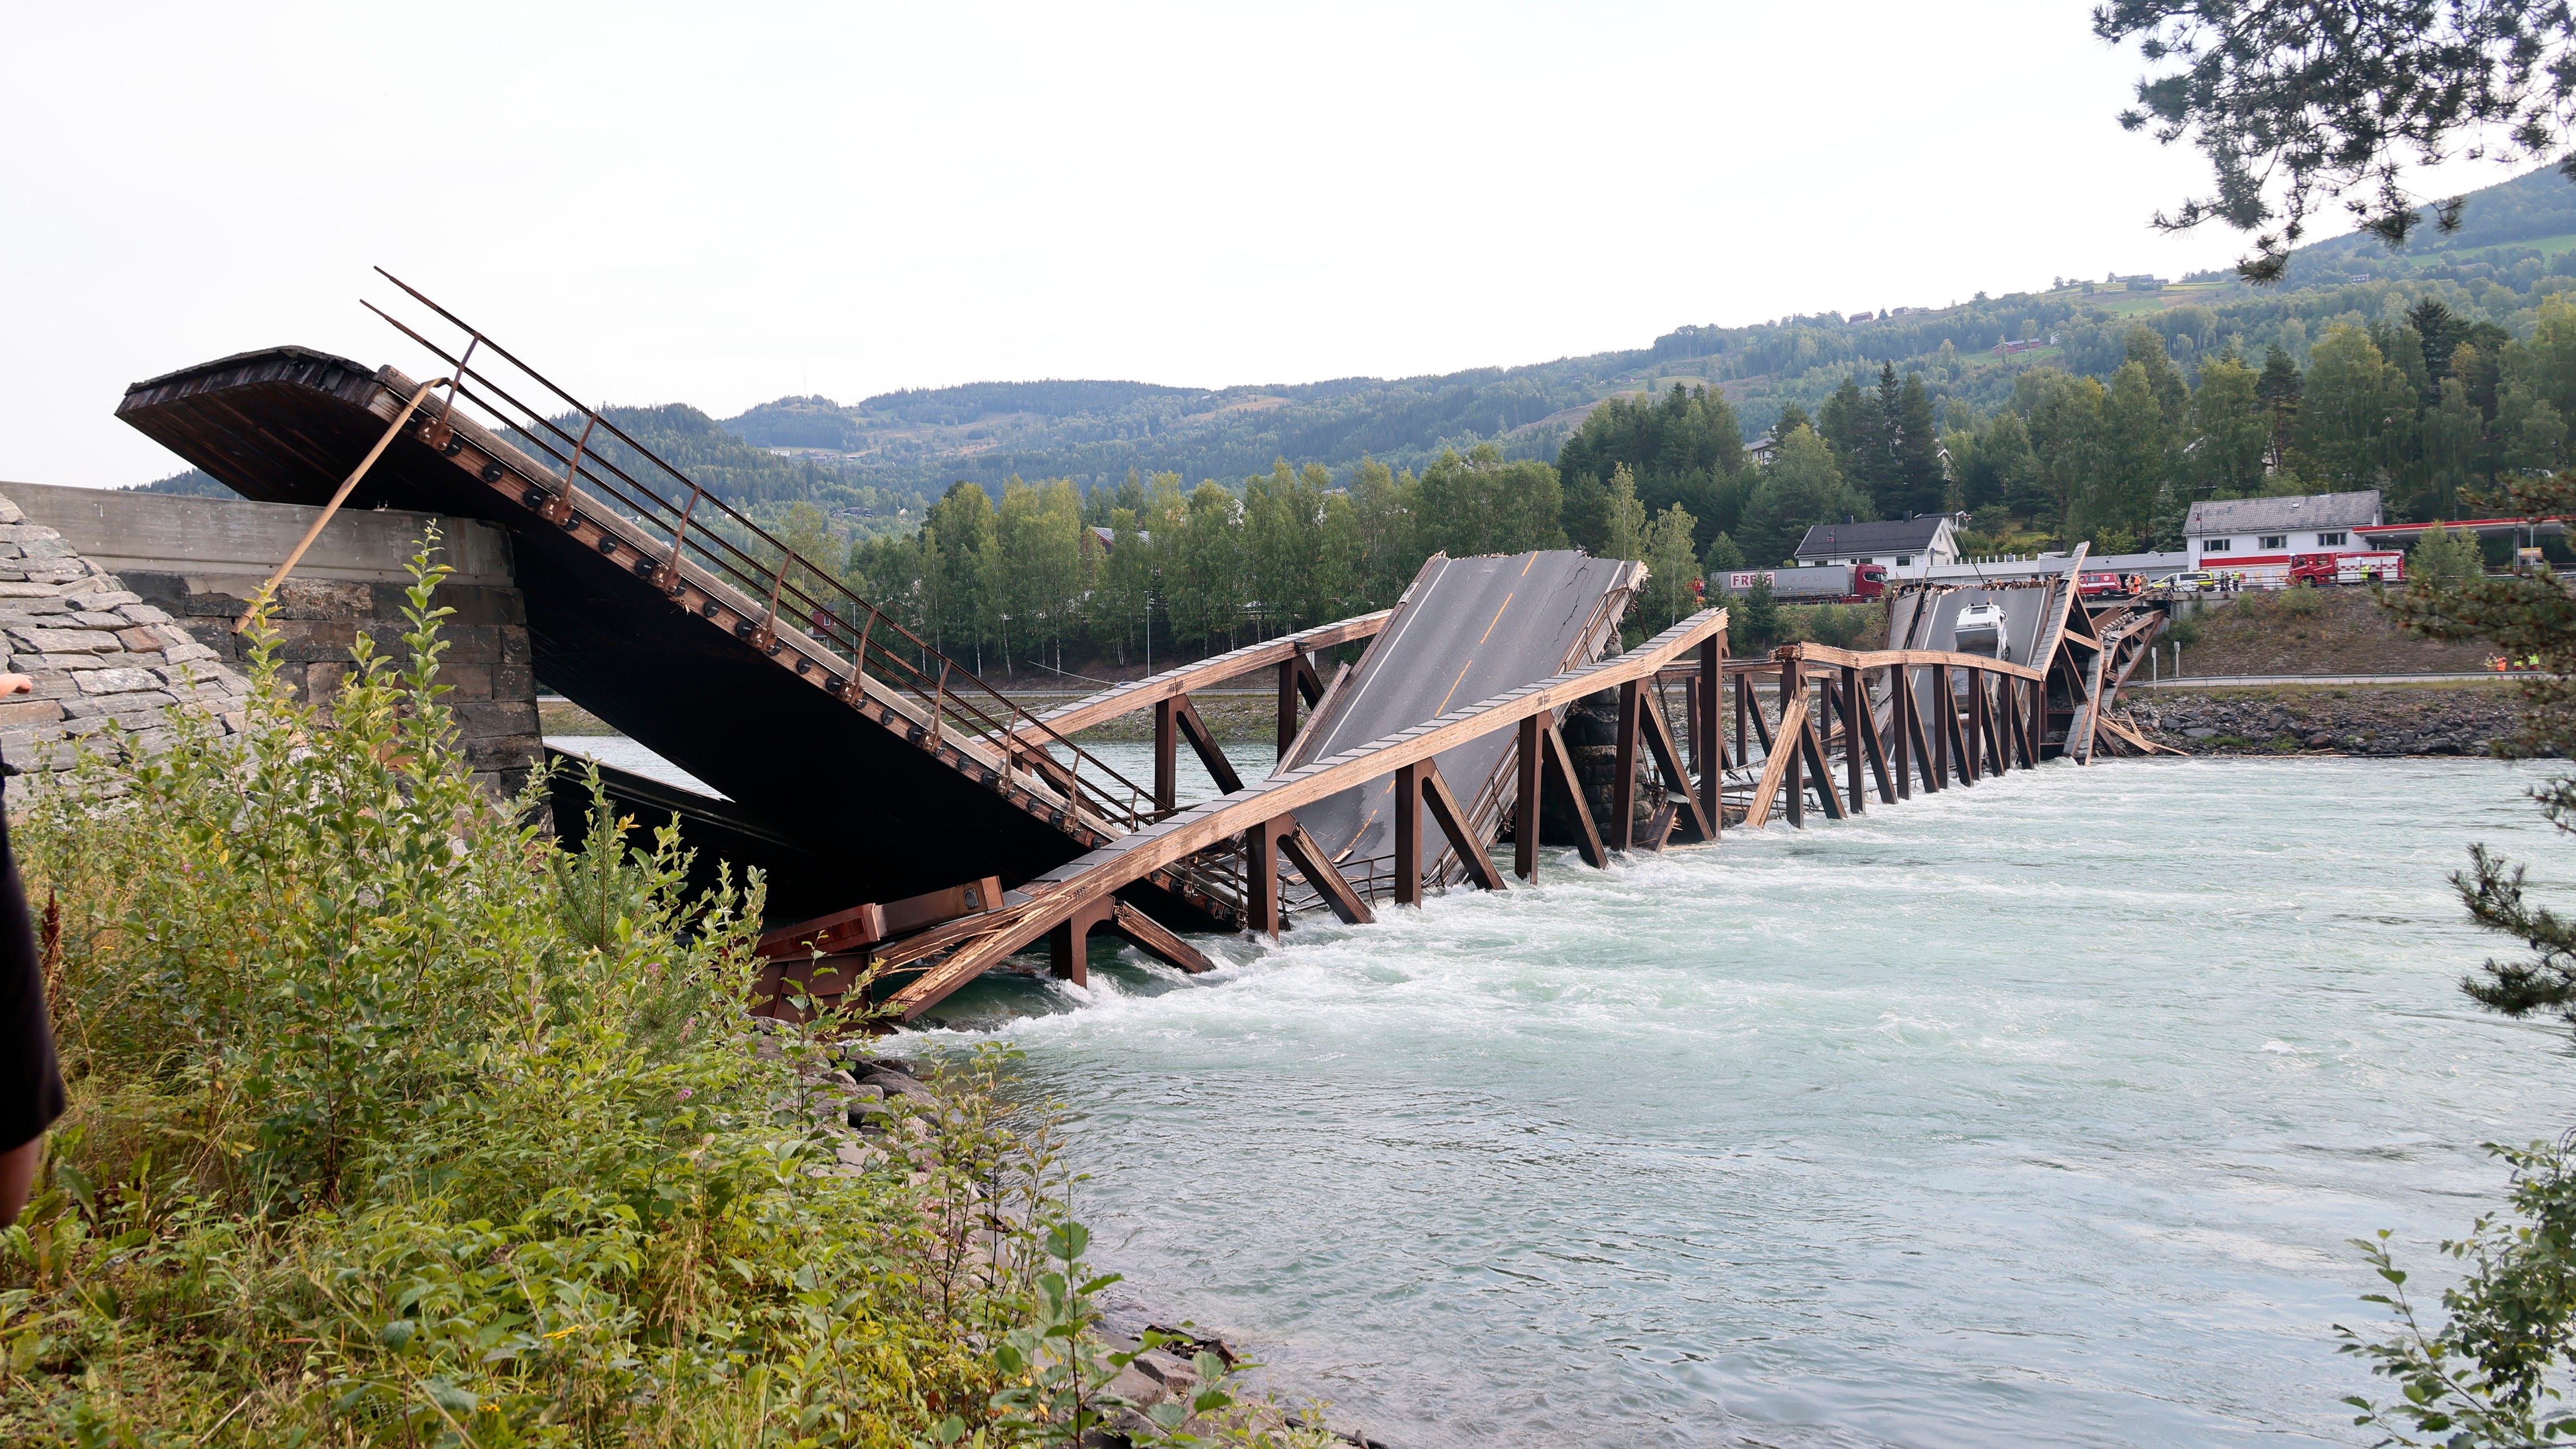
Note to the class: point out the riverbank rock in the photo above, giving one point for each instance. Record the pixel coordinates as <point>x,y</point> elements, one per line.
<point>2381,720</point>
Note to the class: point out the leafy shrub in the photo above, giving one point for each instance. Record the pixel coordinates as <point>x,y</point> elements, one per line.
<point>394,1124</point>
<point>1836,625</point>
<point>2492,1372</point>
<point>2299,601</point>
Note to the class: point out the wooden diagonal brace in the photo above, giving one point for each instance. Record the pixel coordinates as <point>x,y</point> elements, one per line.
<point>1195,730</point>
<point>1824,778</point>
<point>1775,768</point>
<point>1452,818</point>
<point>1871,746</point>
<point>1560,768</point>
<point>1155,939</point>
<point>1312,863</point>
<point>1923,761</point>
<point>1659,740</point>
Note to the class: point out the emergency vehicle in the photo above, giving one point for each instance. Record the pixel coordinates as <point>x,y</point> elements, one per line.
<point>2348,568</point>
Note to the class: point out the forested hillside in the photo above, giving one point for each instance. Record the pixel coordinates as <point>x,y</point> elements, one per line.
<point>2089,411</point>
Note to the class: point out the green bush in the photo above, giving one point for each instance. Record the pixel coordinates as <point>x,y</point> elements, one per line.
<point>392,1123</point>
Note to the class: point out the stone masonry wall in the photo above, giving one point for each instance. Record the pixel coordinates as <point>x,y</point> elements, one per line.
<point>99,655</point>
<point>318,620</point>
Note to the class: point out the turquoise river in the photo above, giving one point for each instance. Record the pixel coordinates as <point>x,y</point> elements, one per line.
<point>2034,1113</point>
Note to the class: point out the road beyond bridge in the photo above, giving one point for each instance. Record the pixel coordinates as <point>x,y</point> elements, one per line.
<point>963,830</point>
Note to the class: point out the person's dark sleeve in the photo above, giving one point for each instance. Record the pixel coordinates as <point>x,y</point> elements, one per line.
<point>31,1084</point>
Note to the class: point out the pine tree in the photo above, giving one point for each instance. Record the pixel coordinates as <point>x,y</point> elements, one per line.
<point>2279,389</point>
<point>1882,479</point>
<point>1919,481</point>
<point>1723,558</point>
<point>1757,626</point>
<point>1849,425</point>
<point>1626,518</point>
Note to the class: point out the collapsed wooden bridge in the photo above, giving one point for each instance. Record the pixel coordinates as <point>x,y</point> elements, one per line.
<point>949,829</point>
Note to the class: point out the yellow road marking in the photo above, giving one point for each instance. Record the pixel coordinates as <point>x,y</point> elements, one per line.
<point>1498,618</point>
<point>1453,686</point>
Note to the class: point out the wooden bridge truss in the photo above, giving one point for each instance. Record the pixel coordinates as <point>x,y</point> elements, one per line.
<point>634,573</point>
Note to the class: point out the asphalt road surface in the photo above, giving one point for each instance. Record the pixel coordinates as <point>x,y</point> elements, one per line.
<point>1469,629</point>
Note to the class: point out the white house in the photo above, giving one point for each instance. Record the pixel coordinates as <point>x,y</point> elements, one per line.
<point>1908,546</point>
<point>2263,533</point>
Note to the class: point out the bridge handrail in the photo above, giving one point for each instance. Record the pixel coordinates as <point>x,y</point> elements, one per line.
<point>1127,698</point>
<point>936,679</point>
<point>1881,658</point>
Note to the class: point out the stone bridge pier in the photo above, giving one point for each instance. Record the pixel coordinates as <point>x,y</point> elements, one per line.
<point>109,600</point>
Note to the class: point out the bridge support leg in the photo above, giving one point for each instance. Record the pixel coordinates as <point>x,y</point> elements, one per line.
<point>1408,835</point>
<point>1167,742</point>
<point>1744,730</point>
<point>1287,706</point>
<point>1708,744</point>
<point>1793,785</point>
<point>1944,708</point>
<point>1068,943</point>
<point>1988,724</point>
<point>2034,719</point>
<point>1855,722</point>
<point>1296,677</point>
<point>1261,876</point>
<point>1623,787</point>
<point>1525,810</point>
<point>1971,731</point>
<point>1916,732</point>
<point>1900,731</point>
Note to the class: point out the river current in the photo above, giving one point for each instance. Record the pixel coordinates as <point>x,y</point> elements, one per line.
<point>2034,1113</point>
<point>2038,1112</point>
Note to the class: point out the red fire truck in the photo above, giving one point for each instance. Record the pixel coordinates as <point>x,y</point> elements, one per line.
<point>2347,568</point>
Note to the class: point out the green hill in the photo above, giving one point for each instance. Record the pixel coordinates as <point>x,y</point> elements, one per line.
<point>876,462</point>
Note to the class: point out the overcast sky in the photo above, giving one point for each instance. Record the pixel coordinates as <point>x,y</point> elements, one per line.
<point>721,204</point>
